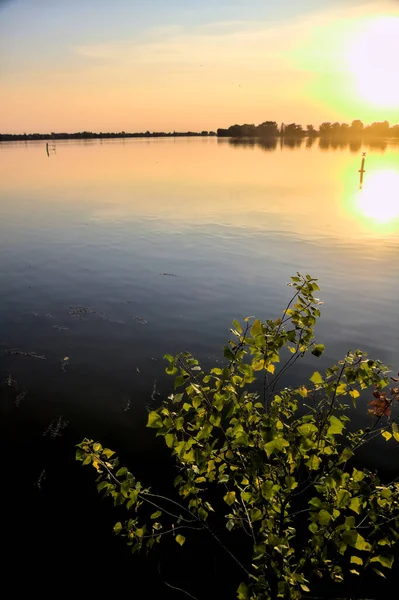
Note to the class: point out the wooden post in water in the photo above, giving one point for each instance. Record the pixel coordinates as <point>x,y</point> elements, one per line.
<point>362,170</point>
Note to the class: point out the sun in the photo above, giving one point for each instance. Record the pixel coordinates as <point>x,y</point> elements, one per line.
<point>373,61</point>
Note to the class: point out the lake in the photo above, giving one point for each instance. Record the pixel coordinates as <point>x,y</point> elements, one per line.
<point>113,253</point>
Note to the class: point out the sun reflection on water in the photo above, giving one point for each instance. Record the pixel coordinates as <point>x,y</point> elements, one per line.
<point>376,206</point>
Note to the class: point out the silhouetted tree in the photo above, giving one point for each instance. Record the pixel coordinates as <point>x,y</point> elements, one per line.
<point>357,126</point>
<point>325,128</point>
<point>267,129</point>
<point>293,129</point>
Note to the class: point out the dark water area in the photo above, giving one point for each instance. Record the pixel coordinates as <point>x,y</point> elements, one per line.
<point>114,253</point>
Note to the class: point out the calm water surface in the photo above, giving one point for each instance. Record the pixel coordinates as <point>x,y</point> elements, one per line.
<point>165,242</point>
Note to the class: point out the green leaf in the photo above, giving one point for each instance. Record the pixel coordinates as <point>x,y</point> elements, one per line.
<point>313,528</point>
<point>169,440</point>
<point>230,498</point>
<point>237,326</point>
<point>356,505</point>
<point>336,426</point>
<point>97,447</point>
<point>125,488</point>
<point>267,489</point>
<point>316,378</point>
<point>180,539</point>
<point>356,560</point>
<point>289,481</point>
<point>307,429</point>
<point>169,358</point>
<point>395,431</point>
<point>121,471</point>
<point>313,463</point>
<point>276,445</point>
<point>108,453</point>
<point>256,328</point>
<point>156,514</point>
<point>345,455</point>
<point>179,381</point>
<point>255,514</point>
<point>318,350</point>
<point>379,573</point>
<point>118,528</point>
<point>386,560</point>
<point>154,420</point>
<point>354,539</point>
<point>324,517</point>
<point>242,592</point>
<point>343,498</point>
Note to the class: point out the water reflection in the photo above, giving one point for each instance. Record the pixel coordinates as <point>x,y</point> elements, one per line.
<point>324,144</point>
<point>267,144</point>
<point>378,200</point>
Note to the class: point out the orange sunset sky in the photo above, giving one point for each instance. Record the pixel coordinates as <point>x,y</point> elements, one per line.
<point>187,65</point>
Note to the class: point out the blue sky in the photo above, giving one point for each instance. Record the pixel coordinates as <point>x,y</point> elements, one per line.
<point>93,64</point>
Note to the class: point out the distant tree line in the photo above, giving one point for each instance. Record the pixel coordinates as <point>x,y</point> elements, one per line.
<point>88,135</point>
<point>270,129</point>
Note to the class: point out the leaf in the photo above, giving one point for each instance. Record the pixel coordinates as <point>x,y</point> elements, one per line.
<point>354,393</point>
<point>313,463</point>
<point>108,453</point>
<point>125,488</point>
<point>255,514</point>
<point>343,498</point>
<point>121,471</point>
<point>237,326</point>
<point>379,573</point>
<point>355,505</point>
<point>156,514</point>
<point>276,445</point>
<point>97,447</point>
<point>118,528</point>
<point>256,328</point>
<point>270,368</point>
<point>395,431</point>
<point>180,539</point>
<point>230,498</point>
<point>169,440</point>
<point>179,381</point>
<point>386,435</point>
<point>102,485</point>
<point>267,489</point>
<point>242,592</point>
<point>316,378</point>
<point>154,420</point>
<point>318,350</point>
<point>345,456</point>
<point>307,429</point>
<point>386,560</point>
<point>336,426</point>
<point>356,560</point>
<point>324,517</point>
<point>354,539</point>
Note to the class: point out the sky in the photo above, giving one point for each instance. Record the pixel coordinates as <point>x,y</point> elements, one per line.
<point>165,65</point>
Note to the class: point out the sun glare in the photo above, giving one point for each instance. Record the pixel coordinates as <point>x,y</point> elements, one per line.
<point>373,61</point>
<point>379,200</point>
